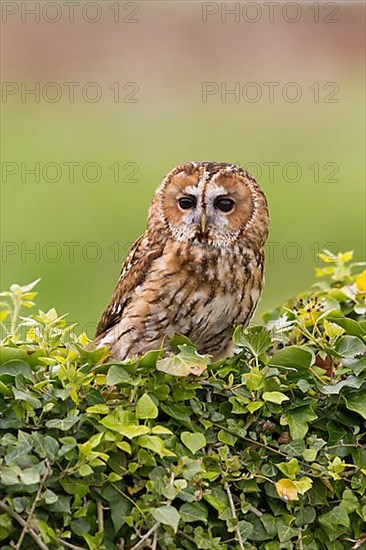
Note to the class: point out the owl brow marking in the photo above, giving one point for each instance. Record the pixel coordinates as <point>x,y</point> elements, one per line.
<point>253,187</point>
<point>180,168</point>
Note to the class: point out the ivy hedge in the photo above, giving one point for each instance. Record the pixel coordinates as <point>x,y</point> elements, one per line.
<point>265,450</point>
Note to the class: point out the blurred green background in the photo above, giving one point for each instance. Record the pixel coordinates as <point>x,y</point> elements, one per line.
<point>168,53</point>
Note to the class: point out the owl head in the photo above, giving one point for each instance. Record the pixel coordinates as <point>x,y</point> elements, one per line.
<point>210,203</point>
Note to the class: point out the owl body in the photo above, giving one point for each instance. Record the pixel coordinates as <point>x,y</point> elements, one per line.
<point>197,270</point>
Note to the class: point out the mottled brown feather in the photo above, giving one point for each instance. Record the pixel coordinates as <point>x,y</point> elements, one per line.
<point>182,276</point>
<point>133,272</point>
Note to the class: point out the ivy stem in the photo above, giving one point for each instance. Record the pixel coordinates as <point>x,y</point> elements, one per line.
<point>100,516</point>
<point>140,543</point>
<point>38,496</point>
<point>154,541</point>
<point>69,545</point>
<point>255,511</point>
<point>5,508</point>
<point>232,507</point>
<point>156,525</point>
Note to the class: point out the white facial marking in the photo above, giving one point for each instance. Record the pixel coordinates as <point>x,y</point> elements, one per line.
<point>215,191</point>
<point>192,190</point>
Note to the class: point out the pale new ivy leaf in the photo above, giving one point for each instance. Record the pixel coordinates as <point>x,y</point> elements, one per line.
<point>160,430</point>
<point>146,407</point>
<point>188,361</point>
<point>304,484</point>
<point>85,470</point>
<point>332,330</point>
<point>336,467</point>
<point>327,257</point>
<point>168,515</point>
<point>99,408</point>
<point>29,476</point>
<point>309,455</point>
<point>254,380</point>
<point>129,430</point>
<point>49,497</point>
<point>10,475</point>
<point>275,397</point>
<point>254,406</point>
<point>290,468</point>
<point>118,375</point>
<point>155,444</point>
<point>193,441</point>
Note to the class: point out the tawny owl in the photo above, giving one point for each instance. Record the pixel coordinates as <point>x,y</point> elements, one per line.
<point>198,268</point>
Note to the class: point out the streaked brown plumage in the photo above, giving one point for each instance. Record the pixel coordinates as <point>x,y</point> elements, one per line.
<point>198,268</point>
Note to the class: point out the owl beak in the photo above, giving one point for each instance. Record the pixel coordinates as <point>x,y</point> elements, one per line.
<point>203,222</point>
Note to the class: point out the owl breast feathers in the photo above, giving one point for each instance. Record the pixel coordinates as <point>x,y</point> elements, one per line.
<point>198,268</point>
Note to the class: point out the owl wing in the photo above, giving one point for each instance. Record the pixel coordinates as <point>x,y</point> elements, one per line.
<point>134,270</point>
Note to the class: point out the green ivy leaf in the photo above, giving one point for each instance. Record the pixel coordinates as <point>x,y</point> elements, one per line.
<point>64,424</point>
<point>168,515</point>
<point>5,527</point>
<point>15,368</point>
<point>293,358</point>
<point>356,402</point>
<point>196,511</point>
<point>27,397</point>
<point>97,409</point>
<point>350,346</point>
<point>118,375</point>
<point>146,407</point>
<point>155,444</point>
<point>290,468</point>
<point>298,420</point>
<point>193,441</point>
<point>256,339</point>
<point>275,397</point>
<point>188,361</point>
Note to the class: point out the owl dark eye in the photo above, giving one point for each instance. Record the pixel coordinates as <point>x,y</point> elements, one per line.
<point>224,204</point>
<point>187,202</point>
